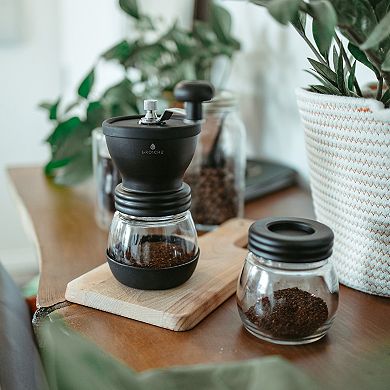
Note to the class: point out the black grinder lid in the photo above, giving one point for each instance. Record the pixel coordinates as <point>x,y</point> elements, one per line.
<point>290,240</point>
<point>129,127</point>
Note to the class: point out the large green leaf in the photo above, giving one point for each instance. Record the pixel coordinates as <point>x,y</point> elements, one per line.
<point>299,22</point>
<point>359,55</point>
<point>120,99</point>
<point>340,75</point>
<point>73,362</point>
<point>87,84</point>
<point>380,32</point>
<point>221,24</point>
<point>334,90</point>
<point>284,11</point>
<point>322,89</point>
<point>356,18</point>
<point>351,77</point>
<point>130,7</point>
<point>62,130</point>
<point>95,114</point>
<point>324,23</point>
<point>73,143</point>
<point>324,71</point>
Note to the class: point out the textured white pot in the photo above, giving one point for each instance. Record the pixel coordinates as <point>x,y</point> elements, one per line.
<point>348,147</point>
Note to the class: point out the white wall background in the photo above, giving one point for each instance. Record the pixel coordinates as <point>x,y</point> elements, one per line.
<point>60,40</point>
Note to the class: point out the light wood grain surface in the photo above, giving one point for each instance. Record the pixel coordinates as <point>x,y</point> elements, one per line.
<point>180,308</point>
<point>72,244</point>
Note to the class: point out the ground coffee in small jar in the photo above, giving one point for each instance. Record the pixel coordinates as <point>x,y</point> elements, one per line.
<point>289,313</point>
<point>287,292</point>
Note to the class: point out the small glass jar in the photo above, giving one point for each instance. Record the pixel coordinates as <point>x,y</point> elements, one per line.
<point>106,178</point>
<point>217,172</point>
<point>288,290</point>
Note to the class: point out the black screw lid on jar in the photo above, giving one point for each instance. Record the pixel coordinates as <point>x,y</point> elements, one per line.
<point>290,240</point>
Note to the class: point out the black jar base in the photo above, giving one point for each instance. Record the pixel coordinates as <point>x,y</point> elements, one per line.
<point>152,278</point>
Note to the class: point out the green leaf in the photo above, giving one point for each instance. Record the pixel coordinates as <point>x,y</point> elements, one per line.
<point>221,24</point>
<point>324,23</point>
<point>340,74</point>
<point>335,57</point>
<point>52,165</point>
<point>120,99</point>
<point>324,71</point>
<point>95,114</point>
<point>356,19</point>
<point>322,89</point>
<point>359,55</point>
<point>62,130</point>
<point>86,85</point>
<point>325,82</point>
<point>351,77</point>
<point>380,32</point>
<point>119,52</point>
<point>386,62</point>
<point>284,11</point>
<point>299,22</point>
<point>76,170</point>
<point>130,7</point>
<point>72,361</point>
<point>74,141</point>
<point>52,108</point>
<point>386,98</point>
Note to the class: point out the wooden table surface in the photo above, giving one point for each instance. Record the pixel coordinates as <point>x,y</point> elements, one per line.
<point>69,243</point>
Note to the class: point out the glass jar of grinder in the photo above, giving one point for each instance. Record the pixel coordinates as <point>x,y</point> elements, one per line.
<point>287,292</point>
<point>152,243</point>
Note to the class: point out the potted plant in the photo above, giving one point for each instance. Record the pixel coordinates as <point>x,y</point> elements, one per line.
<point>347,130</point>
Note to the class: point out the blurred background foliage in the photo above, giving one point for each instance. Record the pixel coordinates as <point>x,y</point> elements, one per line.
<point>152,62</point>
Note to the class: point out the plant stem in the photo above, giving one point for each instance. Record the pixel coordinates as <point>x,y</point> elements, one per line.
<point>380,88</point>
<point>347,62</point>
<point>312,47</point>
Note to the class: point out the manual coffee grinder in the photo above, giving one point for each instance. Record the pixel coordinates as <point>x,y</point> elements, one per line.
<point>152,243</point>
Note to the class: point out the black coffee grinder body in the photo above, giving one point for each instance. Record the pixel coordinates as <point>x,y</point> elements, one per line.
<point>152,242</point>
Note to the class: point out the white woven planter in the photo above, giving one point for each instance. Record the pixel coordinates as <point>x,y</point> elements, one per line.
<point>348,146</point>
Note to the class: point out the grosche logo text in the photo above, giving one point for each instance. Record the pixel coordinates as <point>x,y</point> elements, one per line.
<point>152,150</point>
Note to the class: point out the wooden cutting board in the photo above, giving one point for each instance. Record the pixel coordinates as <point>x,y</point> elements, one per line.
<point>222,256</point>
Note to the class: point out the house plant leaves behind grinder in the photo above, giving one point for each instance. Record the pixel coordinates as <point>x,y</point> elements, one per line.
<point>152,243</point>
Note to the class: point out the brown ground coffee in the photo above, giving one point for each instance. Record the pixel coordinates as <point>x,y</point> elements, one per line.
<point>290,313</point>
<point>214,196</point>
<point>156,252</point>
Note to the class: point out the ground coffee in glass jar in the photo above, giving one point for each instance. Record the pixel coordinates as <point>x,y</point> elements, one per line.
<point>290,313</point>
<point>287,291</point>
<point>156,252</point>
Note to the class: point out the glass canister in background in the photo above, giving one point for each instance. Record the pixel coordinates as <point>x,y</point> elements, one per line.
<point>217,172</point>
<point>106,178</point>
